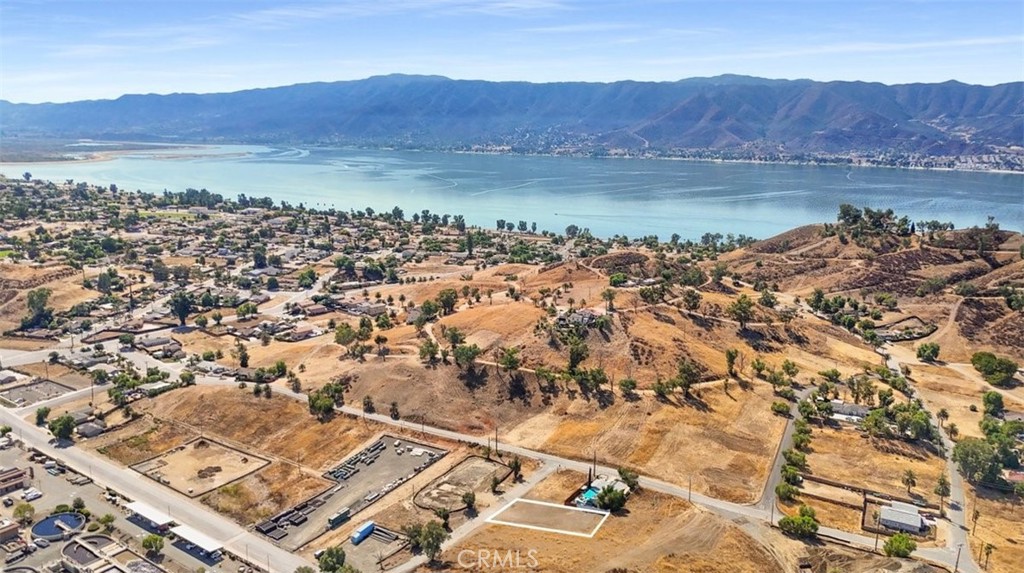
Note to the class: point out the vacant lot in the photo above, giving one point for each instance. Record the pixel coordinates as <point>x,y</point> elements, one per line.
<point>658,533</point>
<point>200,466</point>
<point>141,439</point>
<point>28,394</point>
<point>542,515</point>
<point>725,441</point>
<point>265,493</point>
<point>277,426</point>
<point>1001,523</point>
<point>850,457</point>
<point>471,474</point>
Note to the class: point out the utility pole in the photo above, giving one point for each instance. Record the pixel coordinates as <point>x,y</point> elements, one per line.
<point>956,565</point>
<point>689,491</point>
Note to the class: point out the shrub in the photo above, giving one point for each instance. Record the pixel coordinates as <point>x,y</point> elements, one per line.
<point>899,545</point>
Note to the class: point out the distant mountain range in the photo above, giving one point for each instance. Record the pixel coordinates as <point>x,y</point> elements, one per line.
<point>724,113</point>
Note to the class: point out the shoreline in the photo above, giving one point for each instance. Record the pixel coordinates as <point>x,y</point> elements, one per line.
<point>101,156</point>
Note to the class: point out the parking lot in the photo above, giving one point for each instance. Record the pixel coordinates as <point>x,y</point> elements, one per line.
<point>362,478</point>
<point>57,489</point>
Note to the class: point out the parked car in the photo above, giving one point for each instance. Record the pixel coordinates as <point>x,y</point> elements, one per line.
<point>41,543</point>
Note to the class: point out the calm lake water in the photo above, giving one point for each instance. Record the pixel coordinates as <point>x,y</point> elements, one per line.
<point>610,196</point>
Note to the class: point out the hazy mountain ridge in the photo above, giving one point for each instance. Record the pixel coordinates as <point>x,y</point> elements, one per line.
<point>723,113</point>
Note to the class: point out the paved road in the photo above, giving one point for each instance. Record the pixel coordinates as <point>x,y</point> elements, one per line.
<point>955,506</point>
<point>139,488</point>
<point>767,500</point>
<point>135,486</point>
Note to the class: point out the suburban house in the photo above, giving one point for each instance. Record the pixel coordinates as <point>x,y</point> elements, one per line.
<point>847,412</point>
<point>588,494</point>
<point>902,517</point>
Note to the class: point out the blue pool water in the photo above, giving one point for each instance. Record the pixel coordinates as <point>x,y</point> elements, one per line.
<point>51,526</point>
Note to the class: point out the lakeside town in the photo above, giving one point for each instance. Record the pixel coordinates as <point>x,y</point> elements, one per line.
<point>243,384</point>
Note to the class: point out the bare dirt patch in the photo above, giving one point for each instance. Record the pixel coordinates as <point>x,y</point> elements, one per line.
<point>658,533</point>
<point>199,466</point>
<point>473,474</point>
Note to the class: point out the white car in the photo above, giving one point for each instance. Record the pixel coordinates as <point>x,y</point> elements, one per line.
<point>40,543</point>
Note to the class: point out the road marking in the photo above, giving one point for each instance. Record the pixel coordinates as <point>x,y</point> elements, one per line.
<point>604,516</point>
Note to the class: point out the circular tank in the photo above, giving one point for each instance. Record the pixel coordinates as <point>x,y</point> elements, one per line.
<point>54,527</point>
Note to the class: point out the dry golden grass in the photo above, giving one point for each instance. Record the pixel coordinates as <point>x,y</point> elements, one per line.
<point>277,426</point>
<point>726,447</point>
<point>659,533</point>
<point>828,514</point>
<point>265,493</point>
<point>1001,523</point>
<point>141,440</point>
<point>849,457</point>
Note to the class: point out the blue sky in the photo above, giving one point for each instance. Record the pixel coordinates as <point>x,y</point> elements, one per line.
<point>52,50</point>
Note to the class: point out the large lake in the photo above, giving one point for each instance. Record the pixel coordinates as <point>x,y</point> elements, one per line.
<point>633,197</point>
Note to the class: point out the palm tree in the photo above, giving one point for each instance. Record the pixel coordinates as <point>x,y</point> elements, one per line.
<point>608,295</point>
<point>953,431</point>
<point>942,415</point>
<point>909,479</point>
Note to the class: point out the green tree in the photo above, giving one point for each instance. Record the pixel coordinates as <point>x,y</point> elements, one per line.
<point>344,334</point>
<point>899,545</point>
<point>977,459</point>
<point>608,295</point>
<point>201,321</point>
<point>39,313</point>
<point>993,403</point>
<point>804,525</point>
<point>431,537</point>
<point>741,310</point>
<point>730,360</point>
<point>217,317</point>
<point>611,499</point>
<point>630,478</point>
<point>516,465</point>
<point>691,299</point>
<point>469,499</point>
<point>107,521</point>
<point>181,305</point>
<point>997,371</point>
<point>909,479</point>
<point>429,350</point>
<point>786,491</point>
<point>41,414</point>
<point>928,352</point>
<point>466,354</point>
<point>578,352</point>
<point>241,353</point>
<point>24,512</point>
<point>627,386</point>
<point>508,358</point>
<point>332,560</point>
<point>153,543</point>
<point>942,489</point>
<point>447,298</point>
